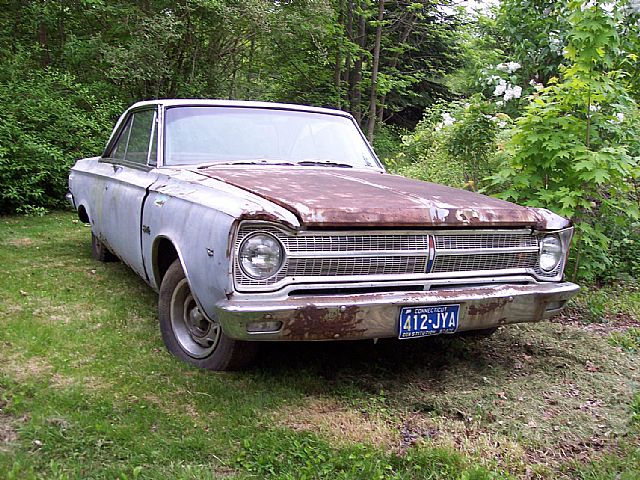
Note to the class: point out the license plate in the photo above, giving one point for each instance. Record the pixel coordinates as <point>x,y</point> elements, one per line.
<point>430,320</point>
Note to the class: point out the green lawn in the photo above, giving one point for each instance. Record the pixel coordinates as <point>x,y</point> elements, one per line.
<point>87,389</point>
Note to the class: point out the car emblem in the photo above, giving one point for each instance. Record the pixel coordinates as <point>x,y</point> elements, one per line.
<point>432,253</point>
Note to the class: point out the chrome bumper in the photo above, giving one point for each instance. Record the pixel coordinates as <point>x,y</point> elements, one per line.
<point>375,315</point>
<point>69,198</point>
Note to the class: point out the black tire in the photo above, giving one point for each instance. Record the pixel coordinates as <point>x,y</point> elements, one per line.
<point>100,252</point>
<point>190,335</point>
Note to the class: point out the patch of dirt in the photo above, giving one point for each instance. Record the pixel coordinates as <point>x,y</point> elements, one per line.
<point>8,432</point>
<point>21,369</point>
<point>618,322</point>
<point>339,423</point>
<point>21,242</point>
<point>168,406</point>
<point>90,383</point>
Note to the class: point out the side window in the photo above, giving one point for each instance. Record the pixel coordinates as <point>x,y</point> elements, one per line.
<point>138,146</point>
<point>121,145</point>
<point>137,142</point>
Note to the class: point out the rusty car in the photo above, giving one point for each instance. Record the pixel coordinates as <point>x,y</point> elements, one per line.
<point>259,222</point>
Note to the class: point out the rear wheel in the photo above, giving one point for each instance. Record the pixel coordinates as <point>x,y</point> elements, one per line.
<point>192,336</point>
<point>100,252</point>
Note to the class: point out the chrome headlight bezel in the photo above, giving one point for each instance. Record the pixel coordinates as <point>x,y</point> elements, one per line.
<point>552,252</point>
<point>245,257</point>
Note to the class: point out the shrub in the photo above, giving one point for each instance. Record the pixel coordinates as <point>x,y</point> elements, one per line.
<point>48,120</point>
<point>575,148</point>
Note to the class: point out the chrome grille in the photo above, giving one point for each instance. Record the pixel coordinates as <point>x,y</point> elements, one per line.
<point>345,242</point>
<point>347,266</point>
<point>493,261</point>
<point>311,256</point>
<point>485,240</point>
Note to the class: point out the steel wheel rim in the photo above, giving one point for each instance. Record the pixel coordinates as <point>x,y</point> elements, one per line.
<point>194,332</point>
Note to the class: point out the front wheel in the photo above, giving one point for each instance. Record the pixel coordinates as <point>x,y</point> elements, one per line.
<point>192,336</point>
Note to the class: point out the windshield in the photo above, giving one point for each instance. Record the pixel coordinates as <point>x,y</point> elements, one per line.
<point>215,135</point>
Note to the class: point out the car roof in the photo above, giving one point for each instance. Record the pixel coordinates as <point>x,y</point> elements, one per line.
<point>188,102</point>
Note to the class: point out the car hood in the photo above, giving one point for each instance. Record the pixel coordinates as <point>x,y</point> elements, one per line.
<point>336,197</point>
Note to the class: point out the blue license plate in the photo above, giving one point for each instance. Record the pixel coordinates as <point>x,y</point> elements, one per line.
<point>429,320</point>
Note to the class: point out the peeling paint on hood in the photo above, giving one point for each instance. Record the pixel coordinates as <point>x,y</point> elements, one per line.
<point>335,197</point>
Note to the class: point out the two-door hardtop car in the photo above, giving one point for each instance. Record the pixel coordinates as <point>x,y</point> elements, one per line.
<point>262,221</point>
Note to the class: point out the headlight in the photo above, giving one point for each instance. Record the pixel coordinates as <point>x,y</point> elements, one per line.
<point>261,255</point>
<point>551,252</point>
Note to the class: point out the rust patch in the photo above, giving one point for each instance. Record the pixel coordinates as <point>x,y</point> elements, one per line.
<point>326,197</point>
<point>485,308</point>
<point>312,323</point>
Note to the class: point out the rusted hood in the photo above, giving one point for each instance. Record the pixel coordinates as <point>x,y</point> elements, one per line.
<point>329,196</point>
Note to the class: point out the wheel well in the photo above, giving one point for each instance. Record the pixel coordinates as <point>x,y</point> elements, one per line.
<point>166,253</point>
<point>82,214</point>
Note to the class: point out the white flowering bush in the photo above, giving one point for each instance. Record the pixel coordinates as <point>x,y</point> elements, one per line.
<point>576,148</point>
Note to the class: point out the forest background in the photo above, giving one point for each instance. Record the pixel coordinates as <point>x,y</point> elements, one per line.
<point>535,101</point>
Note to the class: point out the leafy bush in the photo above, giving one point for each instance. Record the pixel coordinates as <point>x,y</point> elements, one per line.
<point>48,121</point>
<point>575,148</point>
<point>454,144</point>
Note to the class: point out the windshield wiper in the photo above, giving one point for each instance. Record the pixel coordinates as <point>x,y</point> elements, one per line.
<point>262,161</point>
<point>323,163</point>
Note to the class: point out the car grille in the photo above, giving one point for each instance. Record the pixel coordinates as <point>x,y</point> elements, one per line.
<point>316,256</point>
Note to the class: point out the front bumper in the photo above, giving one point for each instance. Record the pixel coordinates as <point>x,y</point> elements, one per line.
<point>375,315</point>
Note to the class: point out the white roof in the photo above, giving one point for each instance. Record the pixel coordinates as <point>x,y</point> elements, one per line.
<point>185,102</point>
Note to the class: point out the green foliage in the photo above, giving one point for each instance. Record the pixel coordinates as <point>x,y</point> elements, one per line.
<point>278,453</point>
<point>471,139</point>
<point>387,142</point>
<point>49,120</point>
<point>574,150</point>
<point>635,405</point>
<point>454,144</point>
<point>533,34</point>
<point>628,340</point>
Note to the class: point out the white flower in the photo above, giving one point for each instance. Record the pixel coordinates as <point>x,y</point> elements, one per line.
<point>513,66</point>
<point>508,95</point>
<point>634,5</point>
<point>532,82</point>
<point>508,67</point>
<point>502,124</point>
<point>517,91</point>
<point>620,117</point>
<point>500,103</point>
<point>447,119</point>
<point>500,88</point>
<point>594,108</point>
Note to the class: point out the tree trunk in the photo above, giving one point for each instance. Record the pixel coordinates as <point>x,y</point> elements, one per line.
<point>374,73</point>
<point>42,40</point>
<point>337,69</point>
<point>356,108</point>
<point>347,59</point>
<point>394,62</point>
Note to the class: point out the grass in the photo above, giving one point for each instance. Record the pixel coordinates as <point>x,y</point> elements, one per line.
<point>87,389</point>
